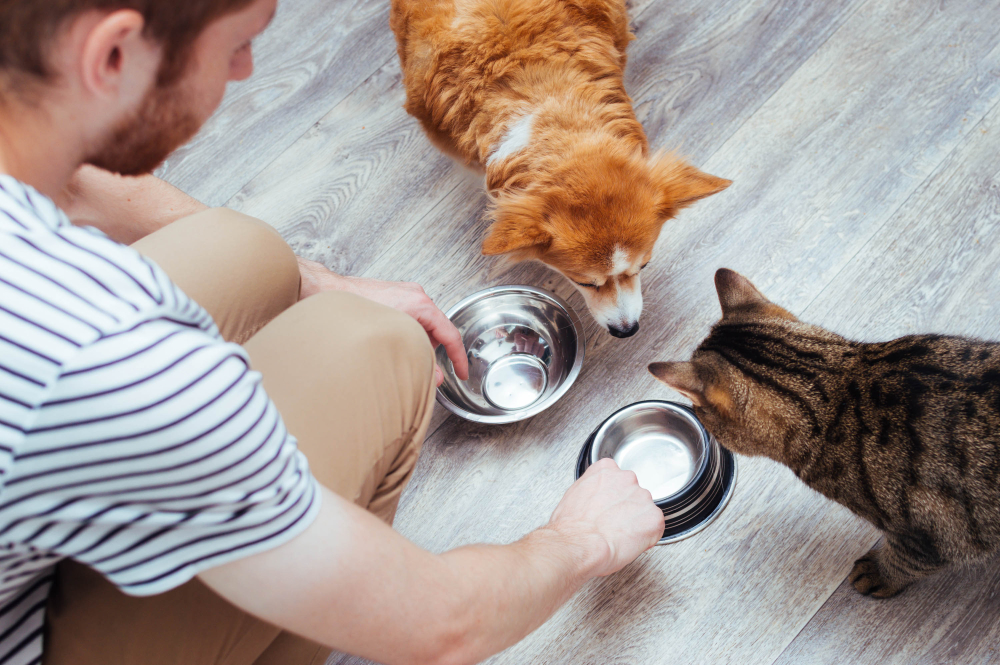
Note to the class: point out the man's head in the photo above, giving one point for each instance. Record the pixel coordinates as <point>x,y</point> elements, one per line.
<point>127,81</point>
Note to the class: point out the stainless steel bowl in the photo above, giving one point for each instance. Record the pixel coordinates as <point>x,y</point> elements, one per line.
<point>525,348</point>
<point>691,477</point>
<point>664,445</point>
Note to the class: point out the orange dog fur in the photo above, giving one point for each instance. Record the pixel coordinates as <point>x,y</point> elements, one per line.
<point>531,92</point>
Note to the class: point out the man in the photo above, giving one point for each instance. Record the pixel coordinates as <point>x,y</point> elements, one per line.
<point>139,450</point>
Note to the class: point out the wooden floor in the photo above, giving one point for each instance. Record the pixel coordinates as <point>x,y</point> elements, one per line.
<point>863,138</point>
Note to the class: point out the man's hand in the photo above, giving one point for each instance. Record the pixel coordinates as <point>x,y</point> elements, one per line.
<point>354,584</point>
<point>620,517</point>
<point>403,296</point>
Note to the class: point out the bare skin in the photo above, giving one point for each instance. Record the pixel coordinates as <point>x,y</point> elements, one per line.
<point>128,209</point>
<point>458,607</point>
<point>348,581</point>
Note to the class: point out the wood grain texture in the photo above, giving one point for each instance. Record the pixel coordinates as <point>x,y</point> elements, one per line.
<point>951,618</point>
<point>699,70</point>
<point>347,190</point>
<point>820,167</point>
<point>312,56</point>
<point>931,267</point>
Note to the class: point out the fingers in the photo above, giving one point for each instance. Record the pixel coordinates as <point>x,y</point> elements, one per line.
<point>410,298</point>
<point>657,521</point>
<point>443,331</point>
<point>604,463</point>
<point>438,376</point>
<point>608,504</point>
<point>624,485</point>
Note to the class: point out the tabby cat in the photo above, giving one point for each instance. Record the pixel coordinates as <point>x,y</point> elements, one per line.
<point>904,433</point>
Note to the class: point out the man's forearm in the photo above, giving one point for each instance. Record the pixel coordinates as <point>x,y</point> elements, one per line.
<point>503,593</point>
<point>354,584</point>
<point>126,209</point>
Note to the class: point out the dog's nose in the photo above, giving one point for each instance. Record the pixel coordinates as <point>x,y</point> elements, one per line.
<point>620,333</point>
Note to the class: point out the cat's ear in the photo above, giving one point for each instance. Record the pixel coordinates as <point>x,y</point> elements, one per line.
<point>736,293</point>
<point>682,377</point>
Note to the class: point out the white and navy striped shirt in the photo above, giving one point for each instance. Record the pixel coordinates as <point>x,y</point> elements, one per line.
<point>132,437</point>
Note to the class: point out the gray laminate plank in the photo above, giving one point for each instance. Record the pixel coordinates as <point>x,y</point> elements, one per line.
<point>341,194</point>
<point>312,56</point>
<point>346,190</point>
<point>699,70</point>
<point>349,189</point>
<point>950,619</point>
<point>820,167</point>
<point>932,268</point>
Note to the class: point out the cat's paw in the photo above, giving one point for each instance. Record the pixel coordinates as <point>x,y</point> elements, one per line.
<point>868,579</point>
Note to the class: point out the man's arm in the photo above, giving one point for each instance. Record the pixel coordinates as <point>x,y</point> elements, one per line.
<point>126,209</point>
<point>352,583</point>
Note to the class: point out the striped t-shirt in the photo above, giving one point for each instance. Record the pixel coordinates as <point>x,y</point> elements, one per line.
<point>132,437</point>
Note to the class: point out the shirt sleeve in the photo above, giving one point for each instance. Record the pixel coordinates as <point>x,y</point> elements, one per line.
<point>157,455</point>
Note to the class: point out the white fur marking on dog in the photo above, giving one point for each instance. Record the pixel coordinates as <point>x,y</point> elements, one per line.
<point>516,139</point>
<point>623,313</point>
<point>630,302</point>
<point>619,261</point>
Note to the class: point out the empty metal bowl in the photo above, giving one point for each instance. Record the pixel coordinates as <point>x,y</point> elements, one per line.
<point>525,348</point>
<point>690,476</point>
<point>665,446</point>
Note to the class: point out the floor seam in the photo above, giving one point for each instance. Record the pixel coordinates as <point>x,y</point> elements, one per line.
<point>409,228</point>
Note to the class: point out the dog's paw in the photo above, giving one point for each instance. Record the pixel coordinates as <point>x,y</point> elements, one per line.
<point>868,579</point>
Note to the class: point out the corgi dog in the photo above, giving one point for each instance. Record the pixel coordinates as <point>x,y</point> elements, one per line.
<point>531,93</point>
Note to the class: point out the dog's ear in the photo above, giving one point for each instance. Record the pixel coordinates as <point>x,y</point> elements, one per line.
<point>682,377</point>
<point>512,232</point>
<point>681,184</point>
<point>736,294</point>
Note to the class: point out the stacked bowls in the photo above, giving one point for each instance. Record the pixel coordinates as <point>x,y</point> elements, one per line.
<point>690,476</point>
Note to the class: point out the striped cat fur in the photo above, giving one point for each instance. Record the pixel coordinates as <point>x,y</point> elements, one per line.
<point>904,433</point>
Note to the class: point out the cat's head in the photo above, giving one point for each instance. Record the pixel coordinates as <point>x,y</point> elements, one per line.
<point>738,379</point>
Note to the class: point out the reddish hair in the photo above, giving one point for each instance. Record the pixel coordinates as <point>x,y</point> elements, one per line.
<point>27,28</point>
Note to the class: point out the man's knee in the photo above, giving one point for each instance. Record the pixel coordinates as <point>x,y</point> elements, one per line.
<point>262,246</point>
<point>380,333</point>
<point>236,267</point>
<point>402,334</point>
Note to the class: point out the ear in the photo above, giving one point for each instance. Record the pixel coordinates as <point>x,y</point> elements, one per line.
<point>116,57</point>
<point>681,184</point>
<point>512,232</point>
<point>682,377</point>
<point>737,293</point>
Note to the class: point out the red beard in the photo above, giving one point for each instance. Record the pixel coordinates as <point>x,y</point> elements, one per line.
<point>138,145</point>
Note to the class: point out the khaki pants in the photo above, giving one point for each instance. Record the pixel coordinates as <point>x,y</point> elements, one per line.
<point>353,381</point>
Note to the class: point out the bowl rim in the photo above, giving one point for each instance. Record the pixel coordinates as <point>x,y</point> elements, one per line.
<point>538,407</point>
<point>727,461</point>
<point>671,407</point>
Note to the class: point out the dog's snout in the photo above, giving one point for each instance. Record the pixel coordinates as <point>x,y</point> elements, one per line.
<point>624,332</point>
